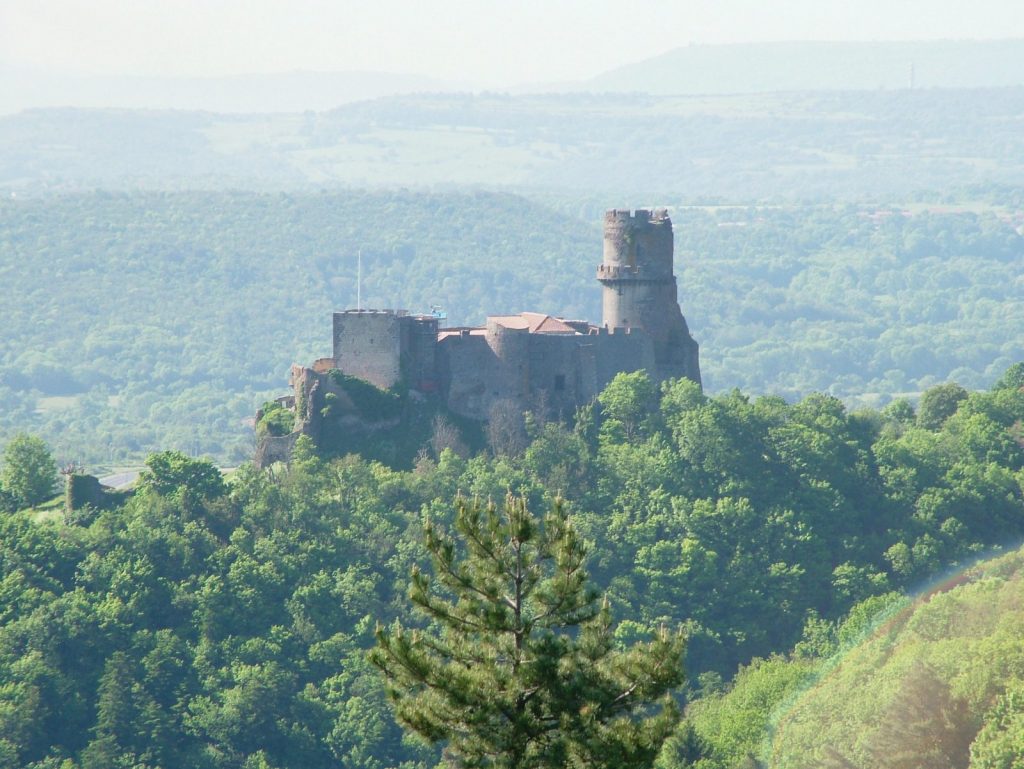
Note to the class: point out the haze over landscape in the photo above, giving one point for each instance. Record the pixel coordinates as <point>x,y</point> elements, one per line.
<point>804,552</point>
<point>239,56</point>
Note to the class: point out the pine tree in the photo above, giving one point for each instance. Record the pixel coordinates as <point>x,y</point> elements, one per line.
<point>518,666</point>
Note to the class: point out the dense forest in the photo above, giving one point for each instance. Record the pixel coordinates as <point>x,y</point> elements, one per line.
<point>209,297</point>
<point>212,624</point>
<point>817,549</point>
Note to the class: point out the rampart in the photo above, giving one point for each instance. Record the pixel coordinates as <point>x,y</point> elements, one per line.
<point>531,359</point>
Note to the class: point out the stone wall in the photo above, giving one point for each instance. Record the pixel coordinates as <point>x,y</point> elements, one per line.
<point>274,448</point>
<point>561,372</point>
<point>465,365</point>
<point>471,369</point>
<point>84,496</point>
<point>618,350</point>
<point>368,345</point>
<point>640,293</point>
<point>509,378</point>
<point>419,352</point>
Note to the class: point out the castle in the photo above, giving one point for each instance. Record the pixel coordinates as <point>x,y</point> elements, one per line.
<point>526,359</point>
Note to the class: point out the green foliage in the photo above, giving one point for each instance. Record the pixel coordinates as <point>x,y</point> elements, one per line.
<point>424,427</point>
<point>1000,743</point>
<point>505,679</point>
<point>151,639</point>
<point>371,402</point>
<point>1012,379</point>
<point>938,404</point>
<point>918,690</point>
<point>208,624</point>
<point>27,470</point>
<point>172,472</point>
<point>627,401</point>
<point>864,303</point>
<point>8,502</point>
<point>924,725</point>
<point>275,420</point>
<point>734,725</point>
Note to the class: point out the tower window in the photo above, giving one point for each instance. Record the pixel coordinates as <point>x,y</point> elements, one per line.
<point>559,382</point>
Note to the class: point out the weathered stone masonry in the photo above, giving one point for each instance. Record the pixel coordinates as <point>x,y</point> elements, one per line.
<point>530,358</point>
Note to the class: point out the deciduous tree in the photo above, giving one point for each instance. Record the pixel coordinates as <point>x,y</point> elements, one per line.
<point>27,470</point>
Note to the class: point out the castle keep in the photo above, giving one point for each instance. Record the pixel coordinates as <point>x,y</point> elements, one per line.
<point>526,359</point>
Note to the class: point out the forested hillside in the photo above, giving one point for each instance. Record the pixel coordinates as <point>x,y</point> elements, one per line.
<point>208,297</point>
<point>934,682</point>
<point>210,625</point>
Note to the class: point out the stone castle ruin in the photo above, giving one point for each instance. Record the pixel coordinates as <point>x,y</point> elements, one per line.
<point>524,359</point>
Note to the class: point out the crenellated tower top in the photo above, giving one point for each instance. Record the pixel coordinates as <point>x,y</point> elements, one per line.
<point>639,287</point>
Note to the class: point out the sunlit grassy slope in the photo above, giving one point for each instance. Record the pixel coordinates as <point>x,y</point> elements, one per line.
<point>935,682</point>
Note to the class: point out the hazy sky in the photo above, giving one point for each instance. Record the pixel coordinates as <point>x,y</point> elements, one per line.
<point>485,41</point>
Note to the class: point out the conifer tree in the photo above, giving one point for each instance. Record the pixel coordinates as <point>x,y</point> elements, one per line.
<point>518,666</point>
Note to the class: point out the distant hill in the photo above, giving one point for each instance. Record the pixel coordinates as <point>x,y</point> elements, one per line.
<point>802,146</point>
<point>275,92</point>
<point>821,66</point>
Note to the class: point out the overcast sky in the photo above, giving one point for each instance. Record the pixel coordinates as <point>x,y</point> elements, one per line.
<point>484,41</point>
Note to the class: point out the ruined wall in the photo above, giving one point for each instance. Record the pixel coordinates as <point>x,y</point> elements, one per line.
<point>84,496</point>
<point>368,345</point>
<point>321,406</point>
<point>275,448</point>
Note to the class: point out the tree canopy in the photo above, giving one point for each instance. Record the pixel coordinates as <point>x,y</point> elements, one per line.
<point>27,470</point>
<point>182,629</point>
<point>519,667</point>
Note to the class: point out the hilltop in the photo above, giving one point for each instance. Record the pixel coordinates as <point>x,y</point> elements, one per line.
<point>821,66</point>
<point>209,296</point>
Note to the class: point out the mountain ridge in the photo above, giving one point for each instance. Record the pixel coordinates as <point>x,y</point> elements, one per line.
<point>820,66</point>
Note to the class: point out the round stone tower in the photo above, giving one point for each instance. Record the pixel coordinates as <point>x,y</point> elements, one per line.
<point>639,288</point>
<point>637,270</point>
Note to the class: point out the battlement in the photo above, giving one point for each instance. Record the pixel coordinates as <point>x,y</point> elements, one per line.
<point>637,217</point>
<point>637,243</point>
<point>363,311</point>
<point>521,360</point>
